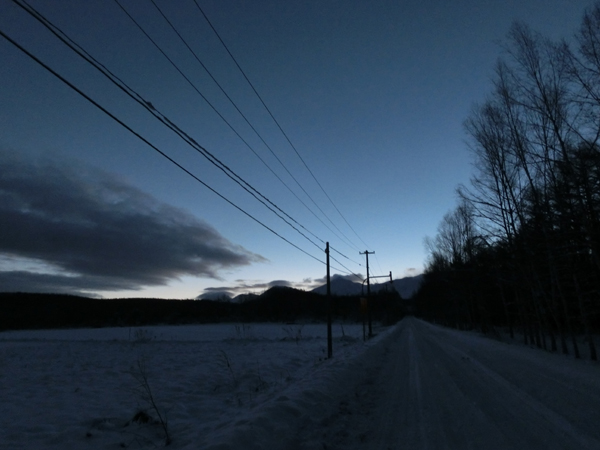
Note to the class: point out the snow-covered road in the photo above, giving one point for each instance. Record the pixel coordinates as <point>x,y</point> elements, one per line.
<point>426,387</point>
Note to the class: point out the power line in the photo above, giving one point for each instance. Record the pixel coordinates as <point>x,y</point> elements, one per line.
<point>378,265</point>
<point>161,117</point>
<point>143,139</point>
<point>341,254</point>
<point>348,271</point>
<point>247,121</point>
<point>278,124</point>
<point>170,60</point>
<point>243,116</point>
<point>165,121</point>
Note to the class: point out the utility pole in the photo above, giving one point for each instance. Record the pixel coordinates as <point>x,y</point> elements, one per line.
<point>367,253</point>
<point>329,336</point>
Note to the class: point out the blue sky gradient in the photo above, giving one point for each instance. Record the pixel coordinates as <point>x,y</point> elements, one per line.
<point>371,94</point>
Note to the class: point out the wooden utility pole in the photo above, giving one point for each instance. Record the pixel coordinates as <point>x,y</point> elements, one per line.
<point>329,336</point>
<point>367,253</point>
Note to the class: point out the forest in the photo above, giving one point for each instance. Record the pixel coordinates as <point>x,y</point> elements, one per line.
<point>521,249</point>
<point>278,304</point>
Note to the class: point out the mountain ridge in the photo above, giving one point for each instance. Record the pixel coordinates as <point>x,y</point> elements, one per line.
<point>341,286</point>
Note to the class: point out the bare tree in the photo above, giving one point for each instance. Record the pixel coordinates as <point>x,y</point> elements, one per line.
<point>530,218</point>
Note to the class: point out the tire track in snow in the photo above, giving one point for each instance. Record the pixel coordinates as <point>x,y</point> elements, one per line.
<point>428,388</point>
<point>524,419</point>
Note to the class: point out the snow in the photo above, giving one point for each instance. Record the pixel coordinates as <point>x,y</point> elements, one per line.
<point>270,386</point>
<point>426,387</point>
<point>77,388</point>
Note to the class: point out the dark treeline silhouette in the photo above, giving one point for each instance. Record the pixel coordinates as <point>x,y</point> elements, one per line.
<point>522,248</point>
<point>278,304</point>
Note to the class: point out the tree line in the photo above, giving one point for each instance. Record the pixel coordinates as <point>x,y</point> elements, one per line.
<point>522,247</point>
<point>278,304</point>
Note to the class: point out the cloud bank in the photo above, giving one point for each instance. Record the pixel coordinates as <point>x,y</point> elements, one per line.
<point>98,233</point>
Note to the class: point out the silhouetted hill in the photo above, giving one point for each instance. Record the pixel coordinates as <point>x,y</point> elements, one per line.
<point>26,311</point>
<point>406,287</point>
<point>244,298</point>
<point>280,304</point>
<point>340,286</point>
<point>288,304</point>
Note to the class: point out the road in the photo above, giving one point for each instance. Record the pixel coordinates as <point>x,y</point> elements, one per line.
<point>427,387</point>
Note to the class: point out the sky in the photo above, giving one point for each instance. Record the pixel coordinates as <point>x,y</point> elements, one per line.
<point>365,152</point>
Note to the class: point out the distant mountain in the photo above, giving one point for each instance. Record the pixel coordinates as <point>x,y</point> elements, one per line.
<point>406,287</point>
<point>340,286</point>
<point>244,298</point>
<point>278,304</point>
<point>219,296</point>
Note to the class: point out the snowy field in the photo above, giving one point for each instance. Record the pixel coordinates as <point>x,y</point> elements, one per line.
<point>269,386</point>
<point>80,389</point>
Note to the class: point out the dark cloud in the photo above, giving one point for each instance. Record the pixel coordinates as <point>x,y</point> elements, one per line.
<point>24,281</point>
<point>101,233</point>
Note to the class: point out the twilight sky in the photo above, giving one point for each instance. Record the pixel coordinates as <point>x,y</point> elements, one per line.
<point>372,95</point>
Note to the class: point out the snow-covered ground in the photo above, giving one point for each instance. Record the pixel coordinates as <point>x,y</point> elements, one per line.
<point>269,386</point>
<point>78,389</point>
<point>427,387</point>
